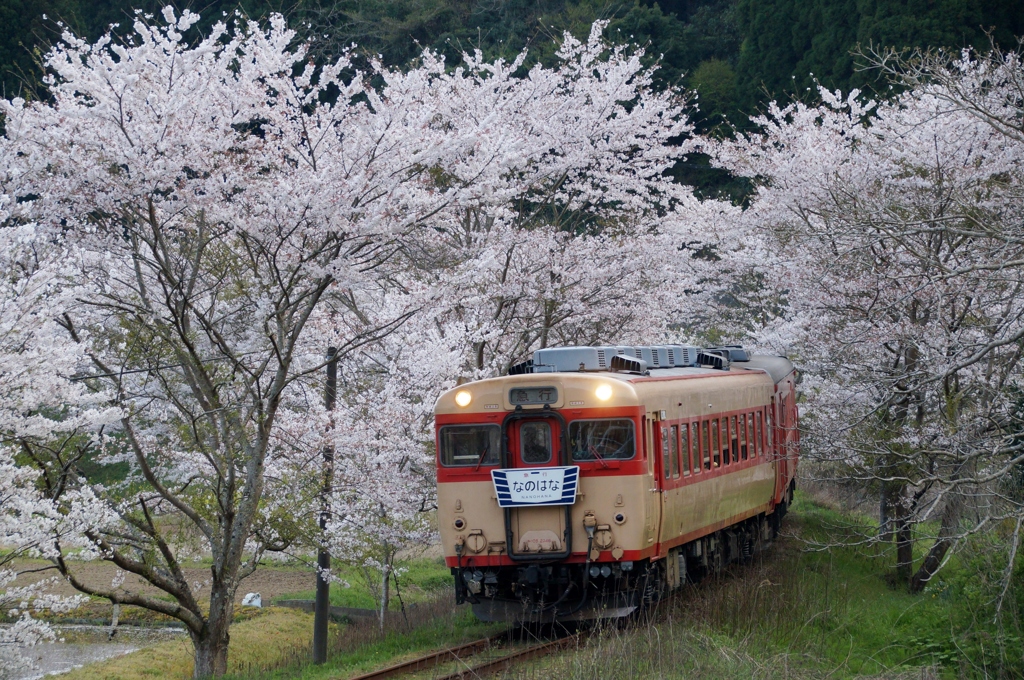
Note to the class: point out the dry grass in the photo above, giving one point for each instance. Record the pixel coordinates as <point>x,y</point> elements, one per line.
<point>264,641</point>
<point>363,646</point>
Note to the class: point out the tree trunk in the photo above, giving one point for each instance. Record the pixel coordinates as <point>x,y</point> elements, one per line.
<point>211,643</point>
<point>211,657</point>
<point>904,550</point>
<point>385,594</point>
<point>903,529</point>
<point>947,530</point>
<point>885,514</point>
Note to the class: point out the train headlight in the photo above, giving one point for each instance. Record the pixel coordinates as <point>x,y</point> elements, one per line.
<point>604,392</point>
<point>463,397</point>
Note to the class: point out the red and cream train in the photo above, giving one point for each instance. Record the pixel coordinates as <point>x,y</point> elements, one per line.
<point>591,480</point>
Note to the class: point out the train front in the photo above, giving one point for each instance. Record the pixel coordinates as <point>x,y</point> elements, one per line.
<point>544,496</point>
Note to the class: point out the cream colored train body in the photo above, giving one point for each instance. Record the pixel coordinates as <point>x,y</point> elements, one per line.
<point>678,471</point>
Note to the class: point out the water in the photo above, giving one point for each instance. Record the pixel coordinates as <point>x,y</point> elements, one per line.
<point>87,644</point>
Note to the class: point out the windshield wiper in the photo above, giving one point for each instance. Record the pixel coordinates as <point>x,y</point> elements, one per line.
<point>487,449</point>
<point>593,450</point>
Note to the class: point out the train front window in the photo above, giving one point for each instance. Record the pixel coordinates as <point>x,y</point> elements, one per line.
<point>535,442</point>
<point>592,440</point>
<point>470,445</point>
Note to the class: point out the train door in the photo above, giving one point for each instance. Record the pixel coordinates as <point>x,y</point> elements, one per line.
<point>537,531</point>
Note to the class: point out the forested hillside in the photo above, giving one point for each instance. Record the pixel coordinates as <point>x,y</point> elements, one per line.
<point>736,53</point>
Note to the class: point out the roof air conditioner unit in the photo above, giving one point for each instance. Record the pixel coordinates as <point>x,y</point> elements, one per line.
<point>732,352</point>
<point>627,364</point>
<point>568,359</point>
<point>683,355</point>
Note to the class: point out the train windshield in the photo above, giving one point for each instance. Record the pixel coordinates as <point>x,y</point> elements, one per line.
<point>602,439</point>
<point>470,445</point>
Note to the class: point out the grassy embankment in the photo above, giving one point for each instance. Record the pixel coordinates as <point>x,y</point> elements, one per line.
<point>793,613</point>
<point>275,642</point>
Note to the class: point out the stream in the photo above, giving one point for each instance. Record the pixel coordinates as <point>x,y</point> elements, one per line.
<point>87,644</point>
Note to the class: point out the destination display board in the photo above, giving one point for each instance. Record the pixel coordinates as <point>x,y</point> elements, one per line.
<point>536,486</point>
<point>530,396</point>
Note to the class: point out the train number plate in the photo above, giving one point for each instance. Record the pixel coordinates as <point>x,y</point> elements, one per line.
<point>521,487</point>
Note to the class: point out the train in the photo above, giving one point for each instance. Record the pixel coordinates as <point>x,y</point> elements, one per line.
<point>590,482</point>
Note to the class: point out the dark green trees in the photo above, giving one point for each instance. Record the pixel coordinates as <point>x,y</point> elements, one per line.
<point>788,45</point>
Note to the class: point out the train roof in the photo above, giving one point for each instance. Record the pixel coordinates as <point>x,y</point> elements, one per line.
<point>581,381</point>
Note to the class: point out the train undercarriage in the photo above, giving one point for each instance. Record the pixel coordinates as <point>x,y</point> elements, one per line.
<point>545,592</point>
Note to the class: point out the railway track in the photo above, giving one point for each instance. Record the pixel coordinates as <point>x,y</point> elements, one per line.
<point>466,670</point>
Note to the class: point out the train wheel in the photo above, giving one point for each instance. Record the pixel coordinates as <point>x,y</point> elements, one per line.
<point>695,573</point>
<point>764,534</point>
<point>654,584</point>
<point>716,560</point>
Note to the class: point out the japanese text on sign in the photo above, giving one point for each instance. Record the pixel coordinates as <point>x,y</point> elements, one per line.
<point>535,486</point>
<point>532,395</point>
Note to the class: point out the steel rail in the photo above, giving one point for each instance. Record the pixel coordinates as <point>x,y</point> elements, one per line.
<point>434,658</point>
<point>505,662</point>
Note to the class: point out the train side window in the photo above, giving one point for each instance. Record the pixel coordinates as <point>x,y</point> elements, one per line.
<point>734,442</point>
<point>665,466</point>
<point>716,453</point>
<point>673,450</point>
<point>759,434</point>
<point>769,425</point>
<point>705,449</point>
<point>470,445</point>
<point>724,425</point>
<point>743,436</point>
<point>684,448</point>
<point>751,436</point>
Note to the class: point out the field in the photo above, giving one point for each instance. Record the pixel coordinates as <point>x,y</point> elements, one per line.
<point>793,613</point>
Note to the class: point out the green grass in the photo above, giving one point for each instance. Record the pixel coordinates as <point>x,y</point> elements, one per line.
<point>802,613</point>
<point>361,648</point>
<point>799,610</point>
<point>419,583</point>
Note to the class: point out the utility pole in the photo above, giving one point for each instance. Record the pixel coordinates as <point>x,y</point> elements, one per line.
<point>322,610</point>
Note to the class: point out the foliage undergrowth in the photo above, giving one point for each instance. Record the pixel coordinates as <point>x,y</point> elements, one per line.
<point>421,579</point>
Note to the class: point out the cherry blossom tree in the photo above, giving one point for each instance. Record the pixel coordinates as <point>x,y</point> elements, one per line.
<point>209,201</point>
<point>215,215</point>
<point>890,235</point>
<point>27,527</point>
<point>29,521</point>
<point>572,235</point>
